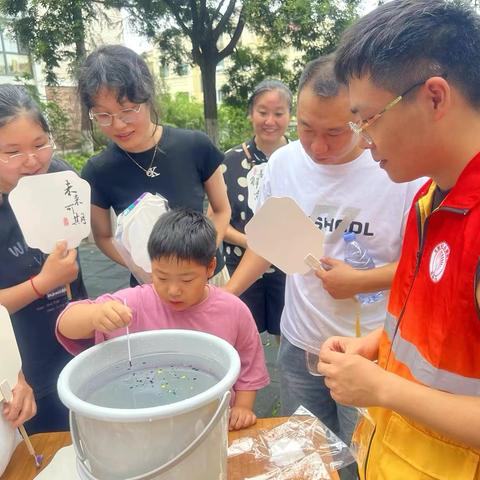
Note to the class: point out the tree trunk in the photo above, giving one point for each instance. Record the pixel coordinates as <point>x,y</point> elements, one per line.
<point>208,68</point>
<point>80,56</point>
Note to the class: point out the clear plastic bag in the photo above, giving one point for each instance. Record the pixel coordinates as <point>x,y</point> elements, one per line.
<point>134,226</point>
<point>362,436</point>
<point>302,447</point>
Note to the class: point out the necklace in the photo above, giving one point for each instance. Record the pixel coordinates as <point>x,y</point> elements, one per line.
<point>150,171</point>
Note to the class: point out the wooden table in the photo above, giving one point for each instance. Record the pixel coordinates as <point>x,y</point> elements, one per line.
<point>21,466</point>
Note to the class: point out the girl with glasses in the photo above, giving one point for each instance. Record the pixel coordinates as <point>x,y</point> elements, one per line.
<point>117,88</point>
<point>32,285</point>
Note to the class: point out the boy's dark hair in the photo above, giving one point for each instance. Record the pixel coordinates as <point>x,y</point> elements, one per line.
<point>183,234</point>
<point>319,75</point>
<point>404,42</point>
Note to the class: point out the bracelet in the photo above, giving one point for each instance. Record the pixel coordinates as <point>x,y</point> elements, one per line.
<point>39,295</point>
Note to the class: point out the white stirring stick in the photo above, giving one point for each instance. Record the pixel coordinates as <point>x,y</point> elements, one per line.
<point>128,338</point>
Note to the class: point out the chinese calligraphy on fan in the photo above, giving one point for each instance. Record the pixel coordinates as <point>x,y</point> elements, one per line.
<point>73,206</point>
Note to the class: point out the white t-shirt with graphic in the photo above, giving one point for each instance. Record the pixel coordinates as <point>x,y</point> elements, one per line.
<point>357,196</point>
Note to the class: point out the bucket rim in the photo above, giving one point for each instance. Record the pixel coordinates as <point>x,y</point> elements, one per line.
<point>86,409</point>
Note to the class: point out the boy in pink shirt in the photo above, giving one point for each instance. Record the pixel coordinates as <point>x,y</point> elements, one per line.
<point>182,250</point>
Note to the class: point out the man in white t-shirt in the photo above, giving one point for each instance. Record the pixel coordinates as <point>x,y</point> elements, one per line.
<point>339,186</point>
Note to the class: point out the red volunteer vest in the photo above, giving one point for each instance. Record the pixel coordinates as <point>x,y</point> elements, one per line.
<point>432,333</point>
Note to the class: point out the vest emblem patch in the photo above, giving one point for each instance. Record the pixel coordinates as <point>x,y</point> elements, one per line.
<point>438,261</point>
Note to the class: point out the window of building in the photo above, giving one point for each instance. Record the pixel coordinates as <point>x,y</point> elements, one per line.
<point>220,96</point>
<point>164,70</point>
<point>14,59</point>
<point>183,69</point>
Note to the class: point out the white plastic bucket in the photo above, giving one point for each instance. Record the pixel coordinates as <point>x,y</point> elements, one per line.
<point>186,439</point>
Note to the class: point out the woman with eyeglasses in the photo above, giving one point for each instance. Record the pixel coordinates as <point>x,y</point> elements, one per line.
<point>32,285</point>
<point>117,88</point>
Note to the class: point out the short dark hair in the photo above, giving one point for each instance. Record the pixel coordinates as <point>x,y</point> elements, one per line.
<point>404,42</point>
<point>270,85</point>
<point>119,69</point>
<point>16,101</point>
<point>183,234</point>
<point>319,75</point>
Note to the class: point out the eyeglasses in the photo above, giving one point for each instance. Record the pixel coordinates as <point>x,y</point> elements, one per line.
<point>127,115</point>
<point>360,127</point>
<point>41,152</point>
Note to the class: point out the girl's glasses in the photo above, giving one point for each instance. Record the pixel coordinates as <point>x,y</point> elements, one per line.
<point>21,157</point>
<point>127,115</point>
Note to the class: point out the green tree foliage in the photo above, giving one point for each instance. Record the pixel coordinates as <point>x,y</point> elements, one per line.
<point>58,121</point>
<point>191,32</point>
<point>235,127</point>
<point>248,67</point>
<point>52,30</point>
<point>309,27</point>
<point>180,111</point>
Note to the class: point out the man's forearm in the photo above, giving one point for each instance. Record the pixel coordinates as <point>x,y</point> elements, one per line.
<point>247,272</point>
<point>375,279</point>
<point>235,237</point>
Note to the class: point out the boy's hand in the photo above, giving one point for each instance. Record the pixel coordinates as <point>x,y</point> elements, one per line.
<point>110,316</point>
<point>241,417</point>
<point>60,268</point>
<point>23,406</point>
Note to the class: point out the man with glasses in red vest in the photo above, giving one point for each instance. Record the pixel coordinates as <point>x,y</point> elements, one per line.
<point>413,72</point>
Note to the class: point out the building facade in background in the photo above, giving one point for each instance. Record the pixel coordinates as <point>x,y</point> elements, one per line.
<point>188,80</point>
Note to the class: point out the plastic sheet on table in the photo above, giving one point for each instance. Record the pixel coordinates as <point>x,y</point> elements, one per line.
<point>302,447</point>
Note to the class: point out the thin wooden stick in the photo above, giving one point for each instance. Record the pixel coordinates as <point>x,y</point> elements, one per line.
<point>6,392</point>
<point>128,339</point>
<point>37,458</point>
<point>358,329</point>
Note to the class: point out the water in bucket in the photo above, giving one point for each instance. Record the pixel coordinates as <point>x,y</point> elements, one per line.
<point>152,381</point>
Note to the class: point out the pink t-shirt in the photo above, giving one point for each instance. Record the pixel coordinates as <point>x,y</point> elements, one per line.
<point>221,314</point>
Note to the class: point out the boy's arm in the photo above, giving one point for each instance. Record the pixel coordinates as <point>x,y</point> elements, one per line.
<point>241,414</point>
<point>79,321</point>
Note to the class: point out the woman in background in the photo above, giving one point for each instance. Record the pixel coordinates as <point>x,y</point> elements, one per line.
<point>269,109</point>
